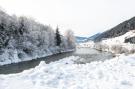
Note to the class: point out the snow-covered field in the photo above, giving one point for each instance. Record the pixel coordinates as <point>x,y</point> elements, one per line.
<point>117,73</point>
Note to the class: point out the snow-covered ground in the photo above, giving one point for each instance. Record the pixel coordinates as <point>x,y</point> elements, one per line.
<point>120,39</point>
<point>117,73</point>
<point>116,44</point>
<point>110,41</point>
<point>88,44</point>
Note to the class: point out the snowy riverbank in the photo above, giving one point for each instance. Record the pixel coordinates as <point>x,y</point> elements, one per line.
<point>11,56</point>
<point>117,73</point>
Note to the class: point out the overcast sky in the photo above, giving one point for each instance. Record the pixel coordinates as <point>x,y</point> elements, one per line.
<point>84,17</point>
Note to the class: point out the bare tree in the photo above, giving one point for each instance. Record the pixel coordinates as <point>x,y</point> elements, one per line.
<point>70,38</point>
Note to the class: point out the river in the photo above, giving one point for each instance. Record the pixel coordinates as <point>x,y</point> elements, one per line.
<point>87,54</point>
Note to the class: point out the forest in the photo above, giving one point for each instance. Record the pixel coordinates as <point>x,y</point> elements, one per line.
<point>23,38</point>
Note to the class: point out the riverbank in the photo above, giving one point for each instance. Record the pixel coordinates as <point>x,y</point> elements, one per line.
<point>14,58</point>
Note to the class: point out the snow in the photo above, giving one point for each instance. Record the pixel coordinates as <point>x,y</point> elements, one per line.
<point>88,44</point>
<point>107,44</point>
<point>120,40</point>
<point>117,73</point>
<point>11,56</point>
<point>116,45</point>
<point>24,39</point>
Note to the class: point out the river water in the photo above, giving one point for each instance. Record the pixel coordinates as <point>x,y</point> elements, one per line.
<point>87,55</point>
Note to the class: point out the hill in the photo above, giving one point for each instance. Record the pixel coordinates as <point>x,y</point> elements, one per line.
<point>94,36</point>
<point>118,30</point>
<point>80,39</point>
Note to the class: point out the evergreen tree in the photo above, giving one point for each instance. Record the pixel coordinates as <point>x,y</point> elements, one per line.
<point>58,38</point>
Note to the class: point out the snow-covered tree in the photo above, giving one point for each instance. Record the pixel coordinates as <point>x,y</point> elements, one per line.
<point>70,38</point>
<point>58,37</point>
<point>26,37</point>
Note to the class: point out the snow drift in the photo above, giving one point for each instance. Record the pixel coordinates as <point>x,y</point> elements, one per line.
<point>117,73</point>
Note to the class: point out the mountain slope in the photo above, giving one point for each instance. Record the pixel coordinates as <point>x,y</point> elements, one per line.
<point>119,30</point>
<point>80,39</point>
<point>94,36</point>
<point>86,39</point>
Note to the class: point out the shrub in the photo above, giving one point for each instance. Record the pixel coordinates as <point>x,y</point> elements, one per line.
<point>132,51</point>
<point>119,49</point>
<point>98,46</point>
<point>1,52</point>
<point>20,55</point>
<point>124,50</point>
<point>28,51</point>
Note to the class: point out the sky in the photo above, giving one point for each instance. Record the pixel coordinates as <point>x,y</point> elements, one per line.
<point>84,17</point>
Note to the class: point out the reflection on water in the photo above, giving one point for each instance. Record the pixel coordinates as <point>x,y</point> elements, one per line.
<point>87,54</point>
